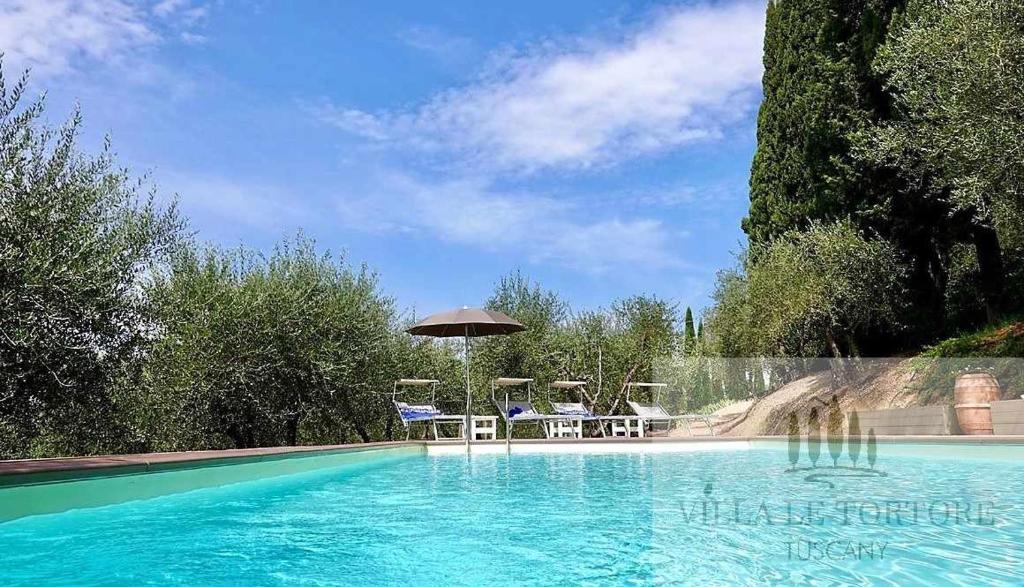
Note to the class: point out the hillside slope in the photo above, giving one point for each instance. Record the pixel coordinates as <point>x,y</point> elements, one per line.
<point>889,384</point>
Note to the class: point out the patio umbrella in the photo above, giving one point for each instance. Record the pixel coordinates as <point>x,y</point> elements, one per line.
<point>466,322</point>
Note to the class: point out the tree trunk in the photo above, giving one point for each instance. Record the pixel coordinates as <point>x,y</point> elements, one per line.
<point>927,283</point>
<point>236,436</point>
<point>353,418</point>
<point>622,390</point>
<point>990,265</point>
<point>292,429</point>
<point>838,367</point>
<point>832,344</point>
<point>361,430</point>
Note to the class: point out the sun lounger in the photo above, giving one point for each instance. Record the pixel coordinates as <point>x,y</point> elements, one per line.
<point>427,413</point>
<point>576,414</point>
<point>655,418</point>
<point>574,411</point>
<point>519,410</point>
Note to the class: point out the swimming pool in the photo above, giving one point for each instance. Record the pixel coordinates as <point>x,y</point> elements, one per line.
<point>704,517</point>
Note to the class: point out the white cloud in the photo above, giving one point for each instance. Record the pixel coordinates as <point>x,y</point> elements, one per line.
<point>351,120</point>
<point>445,48</point>
<point>168,7</point>
<point>543,229</point>
<point>685,76</point>
<point>186,10</point>
<point>48,35</point>
<point>54,37</point>
<point>688,74</point>
<point>193,38</point>
<point>218,201</point>
<point>702,198</point>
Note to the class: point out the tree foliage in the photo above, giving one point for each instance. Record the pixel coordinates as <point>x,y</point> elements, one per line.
<point>77,241</point>
<point>295,348</point>
<point>689,332</point>
<point>954,70</point>
<point>900,120</point>
<point>956,73</point>
<point>818,90</point>
<point>118,333</point>
<point>810,293</point>
<point>531,353</point>
<point>605,348</point>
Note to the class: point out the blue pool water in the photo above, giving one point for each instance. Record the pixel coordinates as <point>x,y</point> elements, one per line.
<point>547,519</point>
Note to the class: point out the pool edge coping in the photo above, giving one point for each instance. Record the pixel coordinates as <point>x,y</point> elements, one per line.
<point>17,472</point>
<point>35,471</point>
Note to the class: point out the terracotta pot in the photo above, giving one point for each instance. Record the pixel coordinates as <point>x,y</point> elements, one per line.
<point>973,394</point>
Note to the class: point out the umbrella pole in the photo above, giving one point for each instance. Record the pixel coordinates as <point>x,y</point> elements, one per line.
<point>469,396</point>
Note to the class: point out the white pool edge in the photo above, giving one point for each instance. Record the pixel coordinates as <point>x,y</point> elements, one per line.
<point>587,447</point>
<point>930,448</point>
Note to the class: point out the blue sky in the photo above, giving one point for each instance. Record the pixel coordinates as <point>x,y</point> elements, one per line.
<point>600,147</point>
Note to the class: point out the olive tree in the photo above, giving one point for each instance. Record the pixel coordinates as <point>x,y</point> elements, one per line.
<point>954,69</point>
<point>77,243</point>
<point>812,293</point>
<point>293,348</point>
<point>807,293</point>
<point>607,348</point>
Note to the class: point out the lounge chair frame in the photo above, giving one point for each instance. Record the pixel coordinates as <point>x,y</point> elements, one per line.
<point>654,414</point>
<point>431,415</point>
<point>527,411</point>
<point>575,413</point>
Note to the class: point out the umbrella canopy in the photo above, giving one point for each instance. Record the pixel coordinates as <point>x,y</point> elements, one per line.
<point>466,322</point>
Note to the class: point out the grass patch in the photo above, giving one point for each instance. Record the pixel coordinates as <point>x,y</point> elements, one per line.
<point>991,349</point>
<point>1005,340</point>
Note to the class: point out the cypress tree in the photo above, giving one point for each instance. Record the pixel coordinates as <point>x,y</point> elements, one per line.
<point>814,437</point>
<point>819,90</point>
<point>689,334</point>
<point>854,440</point>
<point>802,122</point>
<point>793,430</point>
<point>822,97</point>
<point>835,431</point>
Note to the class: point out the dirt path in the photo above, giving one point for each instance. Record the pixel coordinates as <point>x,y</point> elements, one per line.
<point>883,386</point>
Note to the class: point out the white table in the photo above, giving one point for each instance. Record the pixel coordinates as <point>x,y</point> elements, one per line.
<point>485,428</point>
<point>569,427</point>
<point>572,427</point>
<point>624,426</point>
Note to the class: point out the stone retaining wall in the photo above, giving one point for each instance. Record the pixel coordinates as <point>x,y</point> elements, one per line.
<point>920,421</point>
<point>1008,417</point>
